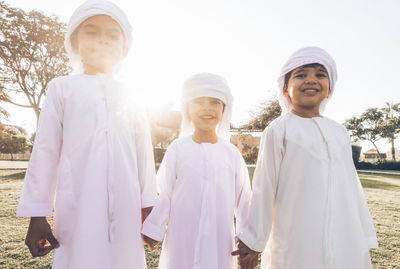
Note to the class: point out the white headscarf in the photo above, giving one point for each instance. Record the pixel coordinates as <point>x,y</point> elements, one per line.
<point>207,85</point>
<point>304,56</point>
<point>92,8</point>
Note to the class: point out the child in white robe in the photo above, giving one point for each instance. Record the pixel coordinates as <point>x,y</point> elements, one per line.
<point>308,207</point>
<point>93,149</point>
<point>203,183</point>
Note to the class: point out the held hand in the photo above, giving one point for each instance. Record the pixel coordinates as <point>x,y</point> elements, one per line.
<point>151,243</point>
<point>248,258</point>
<point>146,212</point>
<point>249,261</point>
<point>39,233</point>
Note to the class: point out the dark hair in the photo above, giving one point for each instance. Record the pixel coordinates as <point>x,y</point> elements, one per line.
<point>74,38</point>
<point>287,76</point>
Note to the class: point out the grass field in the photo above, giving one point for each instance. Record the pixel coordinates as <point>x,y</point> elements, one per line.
<point>382,192</point>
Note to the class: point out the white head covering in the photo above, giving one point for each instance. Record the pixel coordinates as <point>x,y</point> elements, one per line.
<point>304,56</point>
<point>207,85</point>
<point>92,8</point>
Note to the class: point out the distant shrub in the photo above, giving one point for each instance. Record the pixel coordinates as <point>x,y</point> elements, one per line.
<point>380,165</point>
<point>356,150</point>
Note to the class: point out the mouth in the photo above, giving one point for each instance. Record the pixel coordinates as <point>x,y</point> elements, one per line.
<point>310,91</point>
<point>206,117</point>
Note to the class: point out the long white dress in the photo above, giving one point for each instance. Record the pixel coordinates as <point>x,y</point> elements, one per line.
<point>202,187</point>
<point>93,149</point>
<point>308,203</point>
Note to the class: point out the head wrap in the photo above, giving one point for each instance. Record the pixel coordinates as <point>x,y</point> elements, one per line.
<point>304,56</point>
<point>92,8</point>
<point>207,85</point>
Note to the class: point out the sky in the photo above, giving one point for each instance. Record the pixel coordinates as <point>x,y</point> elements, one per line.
<point>247,42</point>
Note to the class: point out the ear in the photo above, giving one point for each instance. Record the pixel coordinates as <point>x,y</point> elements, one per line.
<point>329,93</point>
<point>73,41</point>
<point>285,91</point>
<point>125,51</point>
<point>75,47</point>
<point>187,112</point>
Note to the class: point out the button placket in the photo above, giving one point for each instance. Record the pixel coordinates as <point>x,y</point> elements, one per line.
<point>328,234</point>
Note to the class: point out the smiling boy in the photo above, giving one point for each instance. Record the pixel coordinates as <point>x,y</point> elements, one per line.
<point>203,183</point>
<point>308,209</point>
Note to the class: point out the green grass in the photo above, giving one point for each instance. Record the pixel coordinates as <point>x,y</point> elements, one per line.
<point>382,193</point>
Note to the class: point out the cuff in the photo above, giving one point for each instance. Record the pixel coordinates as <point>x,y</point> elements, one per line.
<point>256,246</point>
<point>153,231</point>
<point>149,201</point>
<point>35,210</point>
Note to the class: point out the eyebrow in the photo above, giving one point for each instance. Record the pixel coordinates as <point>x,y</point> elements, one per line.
<point>319,69</point>
<point>301,69</point>
<point>111,29</point>
<point>89,25</point>
<point>114,30</point>
<point>322,69</point>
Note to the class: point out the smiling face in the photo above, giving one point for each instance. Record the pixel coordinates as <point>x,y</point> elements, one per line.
<point>205,113</point>
<point>100,43</point>
<point>306,88</point>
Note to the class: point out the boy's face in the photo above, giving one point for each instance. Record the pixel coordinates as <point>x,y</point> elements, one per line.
<point>205,113</point>
<point>100,43</point>
<point>307,87</point>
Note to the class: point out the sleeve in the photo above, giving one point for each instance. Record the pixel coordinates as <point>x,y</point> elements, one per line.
<point>145,163</point>
<point>365,216</point>
<point>265,181</point>
<point>155,224</point>
<point>41,176</point>
<point>242,193</point>
<point>366,219</point>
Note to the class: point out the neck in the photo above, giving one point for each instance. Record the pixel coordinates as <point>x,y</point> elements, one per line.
<point>88,70</point>
<point>205,137</point>
<point>306,113</point>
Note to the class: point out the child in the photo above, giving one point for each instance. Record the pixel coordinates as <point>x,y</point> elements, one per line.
<point>203,183</point>
<point>308,203</point>
<point>95,149</point>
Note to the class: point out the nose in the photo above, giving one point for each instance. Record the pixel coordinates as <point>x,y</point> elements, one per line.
<point>311,80</point>
<point>103,38</point>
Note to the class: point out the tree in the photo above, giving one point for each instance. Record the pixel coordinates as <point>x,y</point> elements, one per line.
<point>368,126</point>
<point>391,125</point>
<point>12,140</point>
<point>31,54</point>
<point>263,115</point>
<point>165,126</point>
<point>3,113</point>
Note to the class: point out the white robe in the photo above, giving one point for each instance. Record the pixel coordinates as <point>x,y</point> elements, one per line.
<point>202,187</point>
<point>307,200</point>
<point>93,149</point>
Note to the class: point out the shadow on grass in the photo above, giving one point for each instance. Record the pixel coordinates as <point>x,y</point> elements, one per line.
<point>16,175</point>
<point>375,184</point>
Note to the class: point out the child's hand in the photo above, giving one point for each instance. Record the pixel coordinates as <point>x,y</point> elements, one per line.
<point>151,243</point>
<point>248,258</point>
<point>146,212</point>
<point>39,233</point>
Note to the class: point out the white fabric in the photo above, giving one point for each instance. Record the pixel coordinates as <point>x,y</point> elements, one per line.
<point>307,55</point>
<point>89,9</point>
<point>207,85</point>
<point>202,187</point>
<point>94,147</point>
<point>307,202</point>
